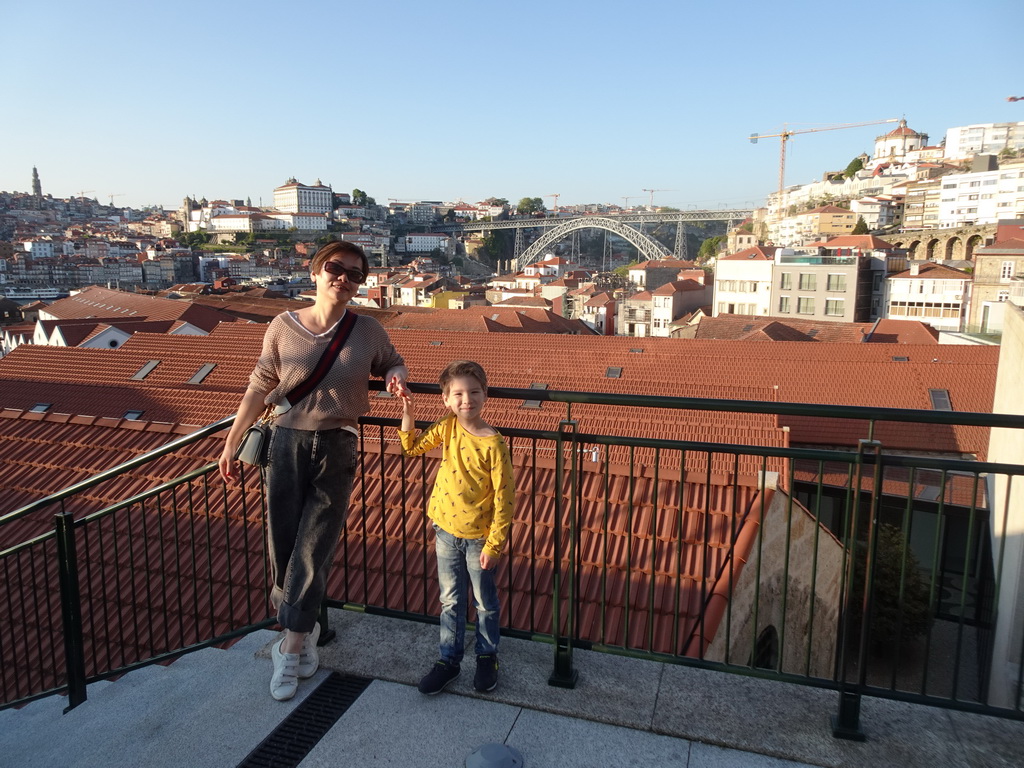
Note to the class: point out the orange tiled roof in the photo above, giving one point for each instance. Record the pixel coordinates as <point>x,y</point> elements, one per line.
<point>756,253</point>
<point>489,319</point>
<point>931,271</point>
<point>864,242</point>
<point>730,326</point>
<point>96,302</point>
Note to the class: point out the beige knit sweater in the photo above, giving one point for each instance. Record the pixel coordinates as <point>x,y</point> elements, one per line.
<point>290,352</point>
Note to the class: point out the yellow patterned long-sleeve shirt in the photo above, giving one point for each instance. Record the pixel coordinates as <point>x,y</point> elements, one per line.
<point>474,491</point>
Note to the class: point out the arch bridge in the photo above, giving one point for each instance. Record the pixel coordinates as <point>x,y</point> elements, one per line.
<point>560,226</point>
<point>943,244</point>
<point>647,247</point>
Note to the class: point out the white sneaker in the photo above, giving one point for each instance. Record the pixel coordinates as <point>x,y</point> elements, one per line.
<point>285,680</point>
<point>309,656</point>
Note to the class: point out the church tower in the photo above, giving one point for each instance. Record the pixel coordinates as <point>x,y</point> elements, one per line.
<point>37,187</point>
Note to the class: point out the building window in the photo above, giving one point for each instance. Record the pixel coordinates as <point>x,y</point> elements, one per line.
<point>808,282</point>
<point>784,304</point>
<point>805,306</point>
<point>837,283</point>
<point>835,307</point>
<point>1006,273</point>
<point>786,281</point>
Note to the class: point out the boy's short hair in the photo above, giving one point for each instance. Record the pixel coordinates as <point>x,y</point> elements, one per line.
<point>458,368</point>
<point>337,248</point>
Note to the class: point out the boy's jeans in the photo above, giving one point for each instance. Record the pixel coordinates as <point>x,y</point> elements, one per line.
<point>456,559</point>
<point>309,478</point>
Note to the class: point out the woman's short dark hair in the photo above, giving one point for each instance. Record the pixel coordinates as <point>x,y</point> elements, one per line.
<point>338,248</point>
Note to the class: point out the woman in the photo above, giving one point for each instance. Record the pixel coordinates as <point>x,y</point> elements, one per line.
<point>312,446</point>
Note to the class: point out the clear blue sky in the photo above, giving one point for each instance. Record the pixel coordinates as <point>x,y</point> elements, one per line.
<point>444,100</point>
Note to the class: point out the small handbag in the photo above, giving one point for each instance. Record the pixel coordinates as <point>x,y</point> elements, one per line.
<point>255,442</point>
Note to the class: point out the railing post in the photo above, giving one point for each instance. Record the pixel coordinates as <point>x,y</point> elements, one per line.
<point>846,723</point>
<point>71,609</point>
<point>564,675</point>
<point>326,633</point>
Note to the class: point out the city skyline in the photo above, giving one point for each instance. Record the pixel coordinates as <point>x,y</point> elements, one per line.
<point>455,101</point>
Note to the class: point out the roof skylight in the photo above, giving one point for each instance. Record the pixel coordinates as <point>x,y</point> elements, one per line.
<point>940,400</point>
<point>202,373</point>
<point>145,370</point>
<point>534,403</point>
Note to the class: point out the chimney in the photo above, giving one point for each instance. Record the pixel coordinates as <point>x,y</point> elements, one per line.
<point>915,268</point>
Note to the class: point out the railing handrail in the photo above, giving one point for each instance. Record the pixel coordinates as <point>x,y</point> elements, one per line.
<point>113,472</point>
<point>822,410</point>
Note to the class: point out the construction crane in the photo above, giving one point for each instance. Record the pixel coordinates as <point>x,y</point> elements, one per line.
<point>784,137</point>
<point>115,194</point>
<point>627,198</point>
<point>652,191</point>
<point>85,192</point>
<point>555,195</point>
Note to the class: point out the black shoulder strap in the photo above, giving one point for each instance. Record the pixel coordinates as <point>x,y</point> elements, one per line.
<point>326,359</point>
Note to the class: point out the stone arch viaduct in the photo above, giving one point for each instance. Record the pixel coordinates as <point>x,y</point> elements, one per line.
<point>943,244</point>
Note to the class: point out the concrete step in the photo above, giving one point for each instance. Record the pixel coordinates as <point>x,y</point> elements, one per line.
<point>158,716</point>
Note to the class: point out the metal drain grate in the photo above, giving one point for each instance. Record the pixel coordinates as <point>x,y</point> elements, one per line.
<point>298,733</point>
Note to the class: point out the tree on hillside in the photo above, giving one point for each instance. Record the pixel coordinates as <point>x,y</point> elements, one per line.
<point>855,165</point>
<point>496,201</point>
<point>530,205</point>
<point>709,248</point>
<point>361,198</point>
<point>193,239</point>
<point>860,228</point>
<point>624,271</point>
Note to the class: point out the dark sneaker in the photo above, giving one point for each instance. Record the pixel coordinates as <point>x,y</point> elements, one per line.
<point>486,678</point>
<point>437,679</point>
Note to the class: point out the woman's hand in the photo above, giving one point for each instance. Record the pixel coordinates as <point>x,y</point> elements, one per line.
<point>227,463</point>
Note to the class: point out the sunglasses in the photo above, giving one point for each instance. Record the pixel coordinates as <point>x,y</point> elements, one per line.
<point>337,268</point>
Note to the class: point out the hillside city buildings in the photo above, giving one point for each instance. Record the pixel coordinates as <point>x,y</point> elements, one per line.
<point>937,245</point>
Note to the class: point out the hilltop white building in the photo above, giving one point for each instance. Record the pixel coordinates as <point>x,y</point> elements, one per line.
<point>983,139</point>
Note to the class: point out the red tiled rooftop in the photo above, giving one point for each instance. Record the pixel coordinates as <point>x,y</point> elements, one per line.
<point>96,302</point>
<point>931,271</point>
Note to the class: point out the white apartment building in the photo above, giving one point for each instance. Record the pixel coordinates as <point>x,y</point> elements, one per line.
<point>423,212</point>
<point>39,248</point>
<point>879,211</point>
<point>931,293</point>
<point>425,242</point>
<point>303,222</point>
<point>550,267</point>
<point>921,204</point>
<point>295,197</point>
<point>822,222</point>
<point>983,139</point>
<point>743,282</point>
<point>983,197</point>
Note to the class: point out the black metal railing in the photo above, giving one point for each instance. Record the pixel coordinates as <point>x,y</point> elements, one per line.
<point>861,571</point>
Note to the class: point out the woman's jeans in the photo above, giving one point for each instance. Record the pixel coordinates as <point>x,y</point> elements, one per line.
<point>458,559</point>
<point>309,478</point>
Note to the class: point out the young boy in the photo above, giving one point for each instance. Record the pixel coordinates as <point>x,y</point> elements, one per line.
<point>471,509</point>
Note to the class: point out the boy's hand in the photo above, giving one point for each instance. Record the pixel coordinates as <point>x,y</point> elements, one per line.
<point>396,386</point>
<point>487,562</point>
